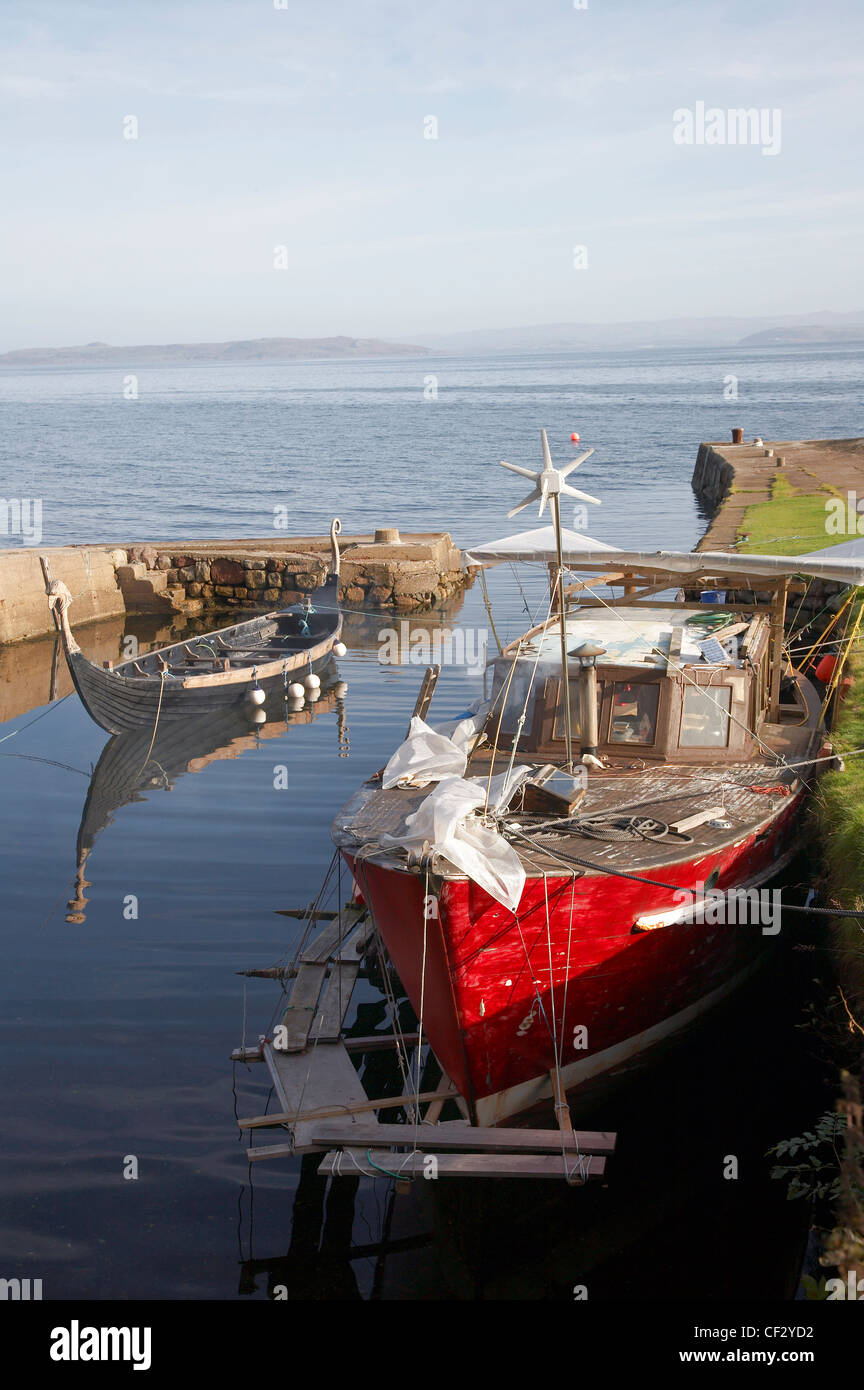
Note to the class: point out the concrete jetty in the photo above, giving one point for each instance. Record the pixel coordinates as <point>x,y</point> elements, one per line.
<point>382,570</point>
<point>729,478</point>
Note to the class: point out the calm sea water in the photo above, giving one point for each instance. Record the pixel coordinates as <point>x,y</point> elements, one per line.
<point>117,1029</point>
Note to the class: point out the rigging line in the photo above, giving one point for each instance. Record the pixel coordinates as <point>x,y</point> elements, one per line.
<point>521,720</point>
<point>520,724</point>
<point>819,640</point>
<point>506,690</point>
<point>489,609</point>
<point>521,590</point>
<point>307,922</point>
<point>51,762</point>
<point>841,664</point>
<point>534,982</point>
<point>53,705</point>
<point>677,887</point>
<point>807,589</point>
<point>401,1046</point>
<point>422,1003</point>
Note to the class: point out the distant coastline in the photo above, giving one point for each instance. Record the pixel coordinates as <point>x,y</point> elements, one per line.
<point>240,350</point>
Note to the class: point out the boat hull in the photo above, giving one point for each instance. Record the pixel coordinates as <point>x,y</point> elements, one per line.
<point>567,978</point>
<point>163,685</point>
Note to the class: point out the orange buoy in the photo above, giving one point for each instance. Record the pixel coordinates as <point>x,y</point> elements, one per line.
<point>825,669</point>
<point>574,439</point>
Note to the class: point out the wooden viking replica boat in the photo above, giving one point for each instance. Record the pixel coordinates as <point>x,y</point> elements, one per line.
<point>552,925</point>
<point>229,666</point>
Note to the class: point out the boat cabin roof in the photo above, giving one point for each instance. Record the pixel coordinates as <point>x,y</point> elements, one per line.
<point>631,635</point>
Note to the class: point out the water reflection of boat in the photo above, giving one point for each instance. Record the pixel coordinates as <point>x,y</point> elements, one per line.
<point>129,768</point>
<point>230,666</point>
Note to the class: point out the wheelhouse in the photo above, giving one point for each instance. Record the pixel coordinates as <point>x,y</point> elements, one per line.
<point>680,683</point>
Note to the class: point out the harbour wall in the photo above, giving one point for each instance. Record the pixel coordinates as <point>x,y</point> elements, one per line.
<point>385,571</point>
<point>730,478</point>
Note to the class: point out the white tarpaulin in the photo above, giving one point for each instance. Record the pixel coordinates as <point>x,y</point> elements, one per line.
<point>433,751</point>
<point>535,545</point>
<point>445,821</point>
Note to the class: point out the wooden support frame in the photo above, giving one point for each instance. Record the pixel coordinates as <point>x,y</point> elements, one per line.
<point>778,620</point>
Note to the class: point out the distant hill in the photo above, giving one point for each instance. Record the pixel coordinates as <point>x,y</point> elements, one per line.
<point>242,350</point>
<point>803,333</point>
<point>717,331</point>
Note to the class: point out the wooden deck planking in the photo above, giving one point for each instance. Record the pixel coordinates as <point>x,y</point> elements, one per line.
<point>335,1000</point>
<point>302,1007</point>
<point>331,937</point>
<point>322,1078</point>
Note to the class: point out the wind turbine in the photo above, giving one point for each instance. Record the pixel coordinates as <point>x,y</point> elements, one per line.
<point>549,486</point>
<point>549,481</point>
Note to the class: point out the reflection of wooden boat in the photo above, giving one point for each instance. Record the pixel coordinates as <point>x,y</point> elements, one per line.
<point>225,667</point>
<point>129,768</point>
<point>662,750</point>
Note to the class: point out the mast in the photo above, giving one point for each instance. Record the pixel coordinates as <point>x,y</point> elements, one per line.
<point>549,484</point>
<point>562,619</point>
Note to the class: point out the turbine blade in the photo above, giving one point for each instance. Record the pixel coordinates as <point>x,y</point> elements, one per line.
<point>523,472</point>
<point>574,463</point>
<point>526,502</point>
<point>544,494</point>
<point>583,496</point>
<point>547,457</point>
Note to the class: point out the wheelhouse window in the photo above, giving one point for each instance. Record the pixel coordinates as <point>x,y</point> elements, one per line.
<point>575,710</point>
<point>705,717</point>
<point>634,712</point>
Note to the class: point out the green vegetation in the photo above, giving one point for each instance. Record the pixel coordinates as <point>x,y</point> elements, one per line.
<point>840,813</point>
<point>790,523</point>
<point>817,1172</point>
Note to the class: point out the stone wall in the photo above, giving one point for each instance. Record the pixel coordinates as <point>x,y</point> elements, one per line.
<point>408,575</point>
<point>404,575</point>
<point>88,572</point>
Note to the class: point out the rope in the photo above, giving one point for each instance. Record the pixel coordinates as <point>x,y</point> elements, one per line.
<point>162,675</point>
<point>53,705</point>
<point>488,606</point>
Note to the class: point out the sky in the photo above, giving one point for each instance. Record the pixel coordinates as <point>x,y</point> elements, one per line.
<point>282,182</point>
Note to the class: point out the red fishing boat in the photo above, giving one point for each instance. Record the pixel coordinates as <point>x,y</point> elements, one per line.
<point>578,870</point>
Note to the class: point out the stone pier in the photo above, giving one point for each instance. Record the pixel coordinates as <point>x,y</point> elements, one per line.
<point>729,478</point>
<point>385,571</point>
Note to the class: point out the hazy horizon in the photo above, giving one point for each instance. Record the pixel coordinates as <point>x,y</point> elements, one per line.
<point>280,182</point>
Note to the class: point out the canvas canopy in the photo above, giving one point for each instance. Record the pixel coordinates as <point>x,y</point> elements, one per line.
<point>535,545</point>
<point>581,553</point>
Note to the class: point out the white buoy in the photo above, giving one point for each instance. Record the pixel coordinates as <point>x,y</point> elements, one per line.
<point>256,696</point>
<point>312,682</point>
<point>339,648</point>
<point>296,691</point>
<point>259,716</point>
<point>312,695</point>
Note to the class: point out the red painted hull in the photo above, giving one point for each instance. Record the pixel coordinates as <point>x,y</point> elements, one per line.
<point>501,991</point>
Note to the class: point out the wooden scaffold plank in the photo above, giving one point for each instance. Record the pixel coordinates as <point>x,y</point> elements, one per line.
<point>321,1079</point>
<point>351,1162</point>
<point>458,1135</point>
